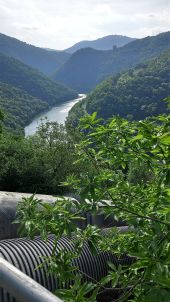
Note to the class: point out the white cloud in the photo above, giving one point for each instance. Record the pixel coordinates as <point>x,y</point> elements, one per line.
<point>60,23</point>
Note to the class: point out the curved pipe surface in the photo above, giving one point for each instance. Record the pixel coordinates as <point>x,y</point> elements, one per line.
<point>26,255</point>
<point>22,287</point>
<point>8,206</point>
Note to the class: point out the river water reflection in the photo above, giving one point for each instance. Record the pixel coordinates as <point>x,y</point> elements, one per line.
<point>55,114</point>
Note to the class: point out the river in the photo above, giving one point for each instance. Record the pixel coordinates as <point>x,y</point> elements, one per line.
<point>55,114</point>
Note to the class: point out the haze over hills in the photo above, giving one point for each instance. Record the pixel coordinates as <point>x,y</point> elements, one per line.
<point>104,43</point>
<point>134,94</point>
<point>31,91</point>
<point>17,74</point>
<point>84,70</point>
<point>36,57</point>
<point>49,60</point>
<point>88,67</point>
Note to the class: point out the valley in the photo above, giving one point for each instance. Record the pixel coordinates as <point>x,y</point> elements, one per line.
<point>32,90</point>
<point>84,151</point>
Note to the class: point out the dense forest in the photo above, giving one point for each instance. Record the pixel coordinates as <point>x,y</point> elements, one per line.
<point>15,73</point>
<point>134,94</point>
<point>25,92</point>
<point>42,59</point>
<point>82,69</point>
<point>88,67</point>
<point>38,163</point>
<point>18,106</point>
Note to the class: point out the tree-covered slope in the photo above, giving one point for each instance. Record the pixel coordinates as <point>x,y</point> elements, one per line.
<point>133,94</point>
<point>87,67</point>
<point>136,52</point>
<point>36,57</point>
<point>18,106</point>
<point>19,75</point>
<point>104,43</point>
<point>82,68</point>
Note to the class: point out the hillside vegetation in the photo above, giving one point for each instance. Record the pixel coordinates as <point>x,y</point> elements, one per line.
<point>19,75</point>
<point>18,106</point>
<point>82,68</point>
<point>36,57</point>
<point>104,43</point>
<point>88,67</point>
<point>135,94</point>
<point>25,92</point>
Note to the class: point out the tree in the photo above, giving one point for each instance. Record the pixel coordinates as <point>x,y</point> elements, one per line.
<point>1,119</point>
<point>111,148</point>
<point>39,163</point>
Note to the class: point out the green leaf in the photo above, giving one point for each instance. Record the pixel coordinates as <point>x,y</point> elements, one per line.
<point>158,295</point>
<point>165,139</point>
<point>112,266</point>
<point>137,137</point>
<point>164,281</point>
<point>106,280</point>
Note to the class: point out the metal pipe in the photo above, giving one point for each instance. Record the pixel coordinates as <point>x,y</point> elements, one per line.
<point>28,254</point>
<point>22,287</point>
<point>8,206</point>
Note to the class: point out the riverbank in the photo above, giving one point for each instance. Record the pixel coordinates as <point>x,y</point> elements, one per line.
<point>54,114</point>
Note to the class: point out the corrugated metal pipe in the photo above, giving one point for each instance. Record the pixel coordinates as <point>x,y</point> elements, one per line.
<point>26,255</point>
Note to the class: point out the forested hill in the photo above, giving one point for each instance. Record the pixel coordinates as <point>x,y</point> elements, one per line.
<point>82,69</point>
<point>19,75</point>
<point>104,43</point>
<point>88,67</point>
<point>36,57</point>
<point>18,106</point>
<point>135,94</point>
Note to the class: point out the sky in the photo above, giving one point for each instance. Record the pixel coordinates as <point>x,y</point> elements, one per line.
<point>58,24</point>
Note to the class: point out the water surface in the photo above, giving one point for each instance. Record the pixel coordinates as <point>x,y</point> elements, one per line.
<point>55,114</point>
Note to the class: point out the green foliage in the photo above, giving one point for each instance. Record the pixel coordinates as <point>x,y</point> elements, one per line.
<point>111,148</point>
<point>1,119</point>
<point>39,163</point>
<point>135,94</point>
<point>139,173</point>
<point>88,67</point>
<point>19,107</point>
<point>145,206</point>
<point>17,74</point>
<point>25,92</point>
<point>78,292</point>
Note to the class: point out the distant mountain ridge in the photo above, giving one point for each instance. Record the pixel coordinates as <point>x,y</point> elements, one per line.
<point>40,58</point>
<point>134,94</point>
<point>104,43</point>
<point>88,67</point>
